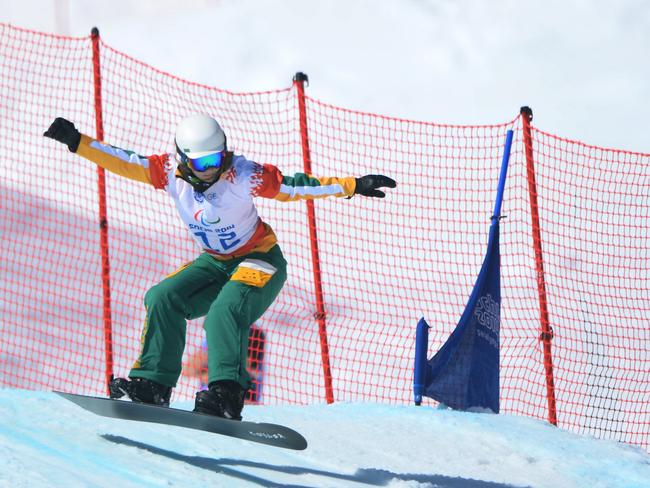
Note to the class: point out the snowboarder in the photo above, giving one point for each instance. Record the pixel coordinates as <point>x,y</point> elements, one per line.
<point>240,270</point>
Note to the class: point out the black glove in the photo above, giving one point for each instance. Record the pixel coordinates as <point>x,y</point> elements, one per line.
<point>64,131</point>
<point>367,185</point>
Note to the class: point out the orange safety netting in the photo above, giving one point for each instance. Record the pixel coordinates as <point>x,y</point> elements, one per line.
<point>383,263</point>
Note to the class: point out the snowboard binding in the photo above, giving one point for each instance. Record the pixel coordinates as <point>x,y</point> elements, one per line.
<point>140,390</point>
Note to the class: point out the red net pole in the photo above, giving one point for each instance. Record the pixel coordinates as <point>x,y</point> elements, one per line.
<point>103,218</point>
<point>299,80</point>
<point>547,333</point>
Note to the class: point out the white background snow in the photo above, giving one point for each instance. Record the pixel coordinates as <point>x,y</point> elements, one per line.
<point>582,65</point>
<point>583,68</point>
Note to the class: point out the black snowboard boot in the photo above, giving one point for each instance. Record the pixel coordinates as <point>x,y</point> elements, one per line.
<point>223,398</point>
<point>141,390</point>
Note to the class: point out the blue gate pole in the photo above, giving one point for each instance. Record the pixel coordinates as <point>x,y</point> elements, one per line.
<point>421,348</point>
<point>502,176</point>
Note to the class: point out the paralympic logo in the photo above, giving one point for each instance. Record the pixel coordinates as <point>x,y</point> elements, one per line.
<point>199,217</point>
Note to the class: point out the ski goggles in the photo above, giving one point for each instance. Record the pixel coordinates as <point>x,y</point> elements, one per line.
<point>202,163</point>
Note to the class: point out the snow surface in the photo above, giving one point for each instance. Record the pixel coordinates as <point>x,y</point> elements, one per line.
<point>47,441</point>
<point>582,65</point>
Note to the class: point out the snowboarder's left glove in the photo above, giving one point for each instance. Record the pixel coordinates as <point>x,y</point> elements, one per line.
<point>367,185</point>
<point>64,131</point>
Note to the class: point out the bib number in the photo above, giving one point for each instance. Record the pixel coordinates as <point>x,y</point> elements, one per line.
<point>227,240</point>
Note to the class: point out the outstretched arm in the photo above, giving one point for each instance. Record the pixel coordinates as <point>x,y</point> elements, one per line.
<point>306,187</point>
<point>124,163</point>
<point>271,183</point>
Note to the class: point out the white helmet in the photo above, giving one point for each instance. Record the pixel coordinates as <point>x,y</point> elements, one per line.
<point>199,135</point>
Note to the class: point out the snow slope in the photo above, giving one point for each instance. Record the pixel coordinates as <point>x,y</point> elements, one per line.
<point>580,64</point>
<point>48,441</point>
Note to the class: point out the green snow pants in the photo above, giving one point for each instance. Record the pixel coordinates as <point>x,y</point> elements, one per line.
<point>231,295</point>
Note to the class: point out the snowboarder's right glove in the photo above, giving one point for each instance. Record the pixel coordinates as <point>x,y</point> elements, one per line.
<point>64,131</point>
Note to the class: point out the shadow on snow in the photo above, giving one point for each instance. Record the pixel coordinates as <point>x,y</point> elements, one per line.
<point>368,476</point>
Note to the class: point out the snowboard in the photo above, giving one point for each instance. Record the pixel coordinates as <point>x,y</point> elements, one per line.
<point>262,433</point>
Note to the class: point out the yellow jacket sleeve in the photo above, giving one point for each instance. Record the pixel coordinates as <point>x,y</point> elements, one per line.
<point>271,183</point>
<point>118,161</point>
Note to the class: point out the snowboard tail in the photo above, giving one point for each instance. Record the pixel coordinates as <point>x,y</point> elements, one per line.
<point>262,433</point>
